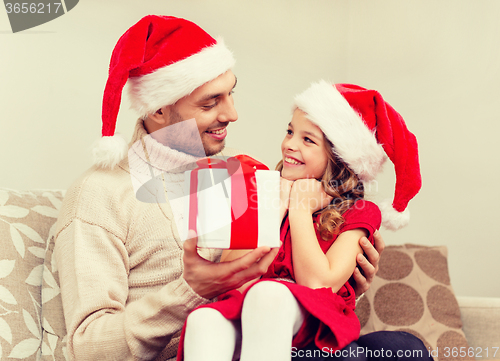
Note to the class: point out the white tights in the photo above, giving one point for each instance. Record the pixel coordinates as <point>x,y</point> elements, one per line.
<point>270,317</point>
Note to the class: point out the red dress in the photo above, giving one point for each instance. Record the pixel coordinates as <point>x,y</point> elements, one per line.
<point>330,321</point>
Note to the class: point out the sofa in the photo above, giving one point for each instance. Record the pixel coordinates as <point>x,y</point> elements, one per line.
<point>412,292</point>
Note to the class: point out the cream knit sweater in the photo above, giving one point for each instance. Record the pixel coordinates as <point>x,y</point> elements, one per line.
<point>120,262</point>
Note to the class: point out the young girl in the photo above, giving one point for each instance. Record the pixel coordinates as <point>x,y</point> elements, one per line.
<point>332,145</point>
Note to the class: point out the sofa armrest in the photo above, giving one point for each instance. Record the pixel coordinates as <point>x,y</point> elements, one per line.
<point>481,325</point>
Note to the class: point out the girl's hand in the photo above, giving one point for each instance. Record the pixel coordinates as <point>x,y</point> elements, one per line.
<point>285,188</point>
<point>308,195</point>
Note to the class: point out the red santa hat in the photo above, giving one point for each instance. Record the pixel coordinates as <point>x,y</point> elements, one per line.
<point>364,130</point>
<point>162,58</point>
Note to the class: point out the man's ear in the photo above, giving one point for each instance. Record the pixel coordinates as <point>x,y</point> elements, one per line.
<point>158,117</point>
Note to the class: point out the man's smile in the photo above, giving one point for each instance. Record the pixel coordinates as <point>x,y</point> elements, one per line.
<point>218,134</point>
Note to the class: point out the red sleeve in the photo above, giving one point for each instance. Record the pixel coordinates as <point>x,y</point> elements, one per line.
<point>363,214</point>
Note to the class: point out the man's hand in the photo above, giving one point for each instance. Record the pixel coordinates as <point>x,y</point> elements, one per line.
<point>209,279</point>
<point>370,265</point>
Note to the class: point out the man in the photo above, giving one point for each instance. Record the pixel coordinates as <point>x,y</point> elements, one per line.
<point>127,280</point>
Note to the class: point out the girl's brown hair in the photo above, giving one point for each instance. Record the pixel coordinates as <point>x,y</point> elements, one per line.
<point>343,185</point>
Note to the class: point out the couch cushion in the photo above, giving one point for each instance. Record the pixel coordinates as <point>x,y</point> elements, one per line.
<point>412,293</point>
<point>26,219</point>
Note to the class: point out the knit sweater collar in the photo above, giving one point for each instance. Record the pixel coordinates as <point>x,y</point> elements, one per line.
<point>147,150</point>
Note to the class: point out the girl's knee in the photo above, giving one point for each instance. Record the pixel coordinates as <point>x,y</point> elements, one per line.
<point>204,317</point>
<point>269,290</point>
<point>270,295</point>
<point>209,336</point>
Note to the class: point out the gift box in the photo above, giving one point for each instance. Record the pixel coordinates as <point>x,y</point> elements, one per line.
<point>232,204</point>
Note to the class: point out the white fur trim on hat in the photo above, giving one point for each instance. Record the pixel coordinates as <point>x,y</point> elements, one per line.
<point>391,218</point>
<point>109,151</point>
<point>352,140</point>
<point>166,85</point>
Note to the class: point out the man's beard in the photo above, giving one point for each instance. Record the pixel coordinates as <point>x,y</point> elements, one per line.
<point>214,150</point>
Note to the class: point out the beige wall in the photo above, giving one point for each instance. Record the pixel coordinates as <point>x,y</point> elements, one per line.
<point>436,62</point>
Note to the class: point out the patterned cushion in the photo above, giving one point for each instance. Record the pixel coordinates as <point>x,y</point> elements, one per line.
<point>26,220</point>
<point>412,293</point>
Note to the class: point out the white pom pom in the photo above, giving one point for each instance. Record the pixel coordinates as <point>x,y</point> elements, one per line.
<point>109,151</point>
<point>391,218</point>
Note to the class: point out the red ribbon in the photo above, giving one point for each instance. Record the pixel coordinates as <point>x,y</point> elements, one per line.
<point>244,202</point>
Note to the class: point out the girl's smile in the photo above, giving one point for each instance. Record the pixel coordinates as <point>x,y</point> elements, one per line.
<point>292,161</point>
<point>303,149</point>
